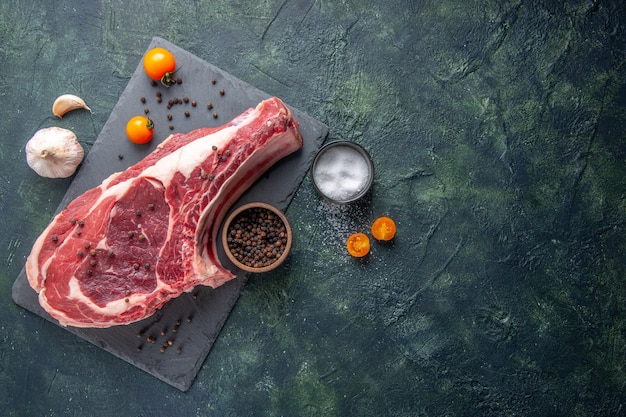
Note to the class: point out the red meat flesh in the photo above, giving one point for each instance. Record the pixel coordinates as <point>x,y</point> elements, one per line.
<point>120,251</point>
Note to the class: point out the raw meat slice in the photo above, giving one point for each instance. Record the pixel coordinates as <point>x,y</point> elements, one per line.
<point>121,250</point>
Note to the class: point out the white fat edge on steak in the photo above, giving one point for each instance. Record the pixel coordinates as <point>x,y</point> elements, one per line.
<point>32,267</point>
<point>188,158</point>
<point>113,308</point>
<point>276,148</point>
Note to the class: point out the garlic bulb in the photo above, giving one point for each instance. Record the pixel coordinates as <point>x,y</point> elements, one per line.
<point>54,152</point>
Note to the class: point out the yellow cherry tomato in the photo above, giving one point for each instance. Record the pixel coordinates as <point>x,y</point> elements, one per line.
<point>383,228</point>
<point>358,245</point>
<point>160,64</point>
<point>140,129</point>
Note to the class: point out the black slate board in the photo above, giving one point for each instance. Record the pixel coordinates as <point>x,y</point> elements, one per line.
<point>193,321</point>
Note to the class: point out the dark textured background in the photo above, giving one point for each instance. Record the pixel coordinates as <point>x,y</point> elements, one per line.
<point>498,131</point>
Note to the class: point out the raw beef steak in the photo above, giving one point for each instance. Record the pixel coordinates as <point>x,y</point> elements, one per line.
<point>121,250</point>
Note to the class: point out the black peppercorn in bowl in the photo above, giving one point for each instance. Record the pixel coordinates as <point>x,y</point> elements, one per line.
<point>257,237</point>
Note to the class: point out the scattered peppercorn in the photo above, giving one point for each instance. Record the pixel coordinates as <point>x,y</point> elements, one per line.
<point>136,266</point>
<point>169,116</point>
<point>73,221</point>
<point>131,233</point>
<point>163,332</point>
<point>221,91</point>
<point>142,99</point>
<point>89,272</point>
<point>209,106</point>
<point>186,114</point>
<point>111,254</point>
<point>153,83</point>
<point>194,103</point>
<point>147,266</point>
<point>138,213</point>
<point>120,156</point>
<point>151,206</point>
<point>146,110</point>
<point>159,99</point>
<point>186,99</point>
<point>179,80</point>
<point>214,147</point>
<point>55,238</point>
<point>80,254</point>
<point>81,223</point>
<point>158,94</point>
<point>215,115</point>
<point>87,245</point>
<point>92,262</point>
<point>213,81</point>
<point>93,252</point>
<point>171,127</point>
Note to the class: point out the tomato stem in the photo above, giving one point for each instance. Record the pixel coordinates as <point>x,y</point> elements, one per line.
<point>168,78</point>
<point>149,123</point>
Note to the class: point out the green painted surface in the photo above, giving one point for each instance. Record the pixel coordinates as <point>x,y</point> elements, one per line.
<point>498,133</point>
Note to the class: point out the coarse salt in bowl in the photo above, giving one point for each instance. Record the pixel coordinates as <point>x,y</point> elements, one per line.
<point>342,172</point>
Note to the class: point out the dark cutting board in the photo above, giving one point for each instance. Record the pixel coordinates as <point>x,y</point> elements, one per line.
<point>173,344</point>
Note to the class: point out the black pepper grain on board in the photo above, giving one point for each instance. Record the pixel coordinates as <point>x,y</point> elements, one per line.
<point>257,237</point>
<point>175,101</point>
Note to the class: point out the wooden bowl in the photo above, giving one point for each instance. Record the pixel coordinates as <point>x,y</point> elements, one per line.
<point>234,245</point>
